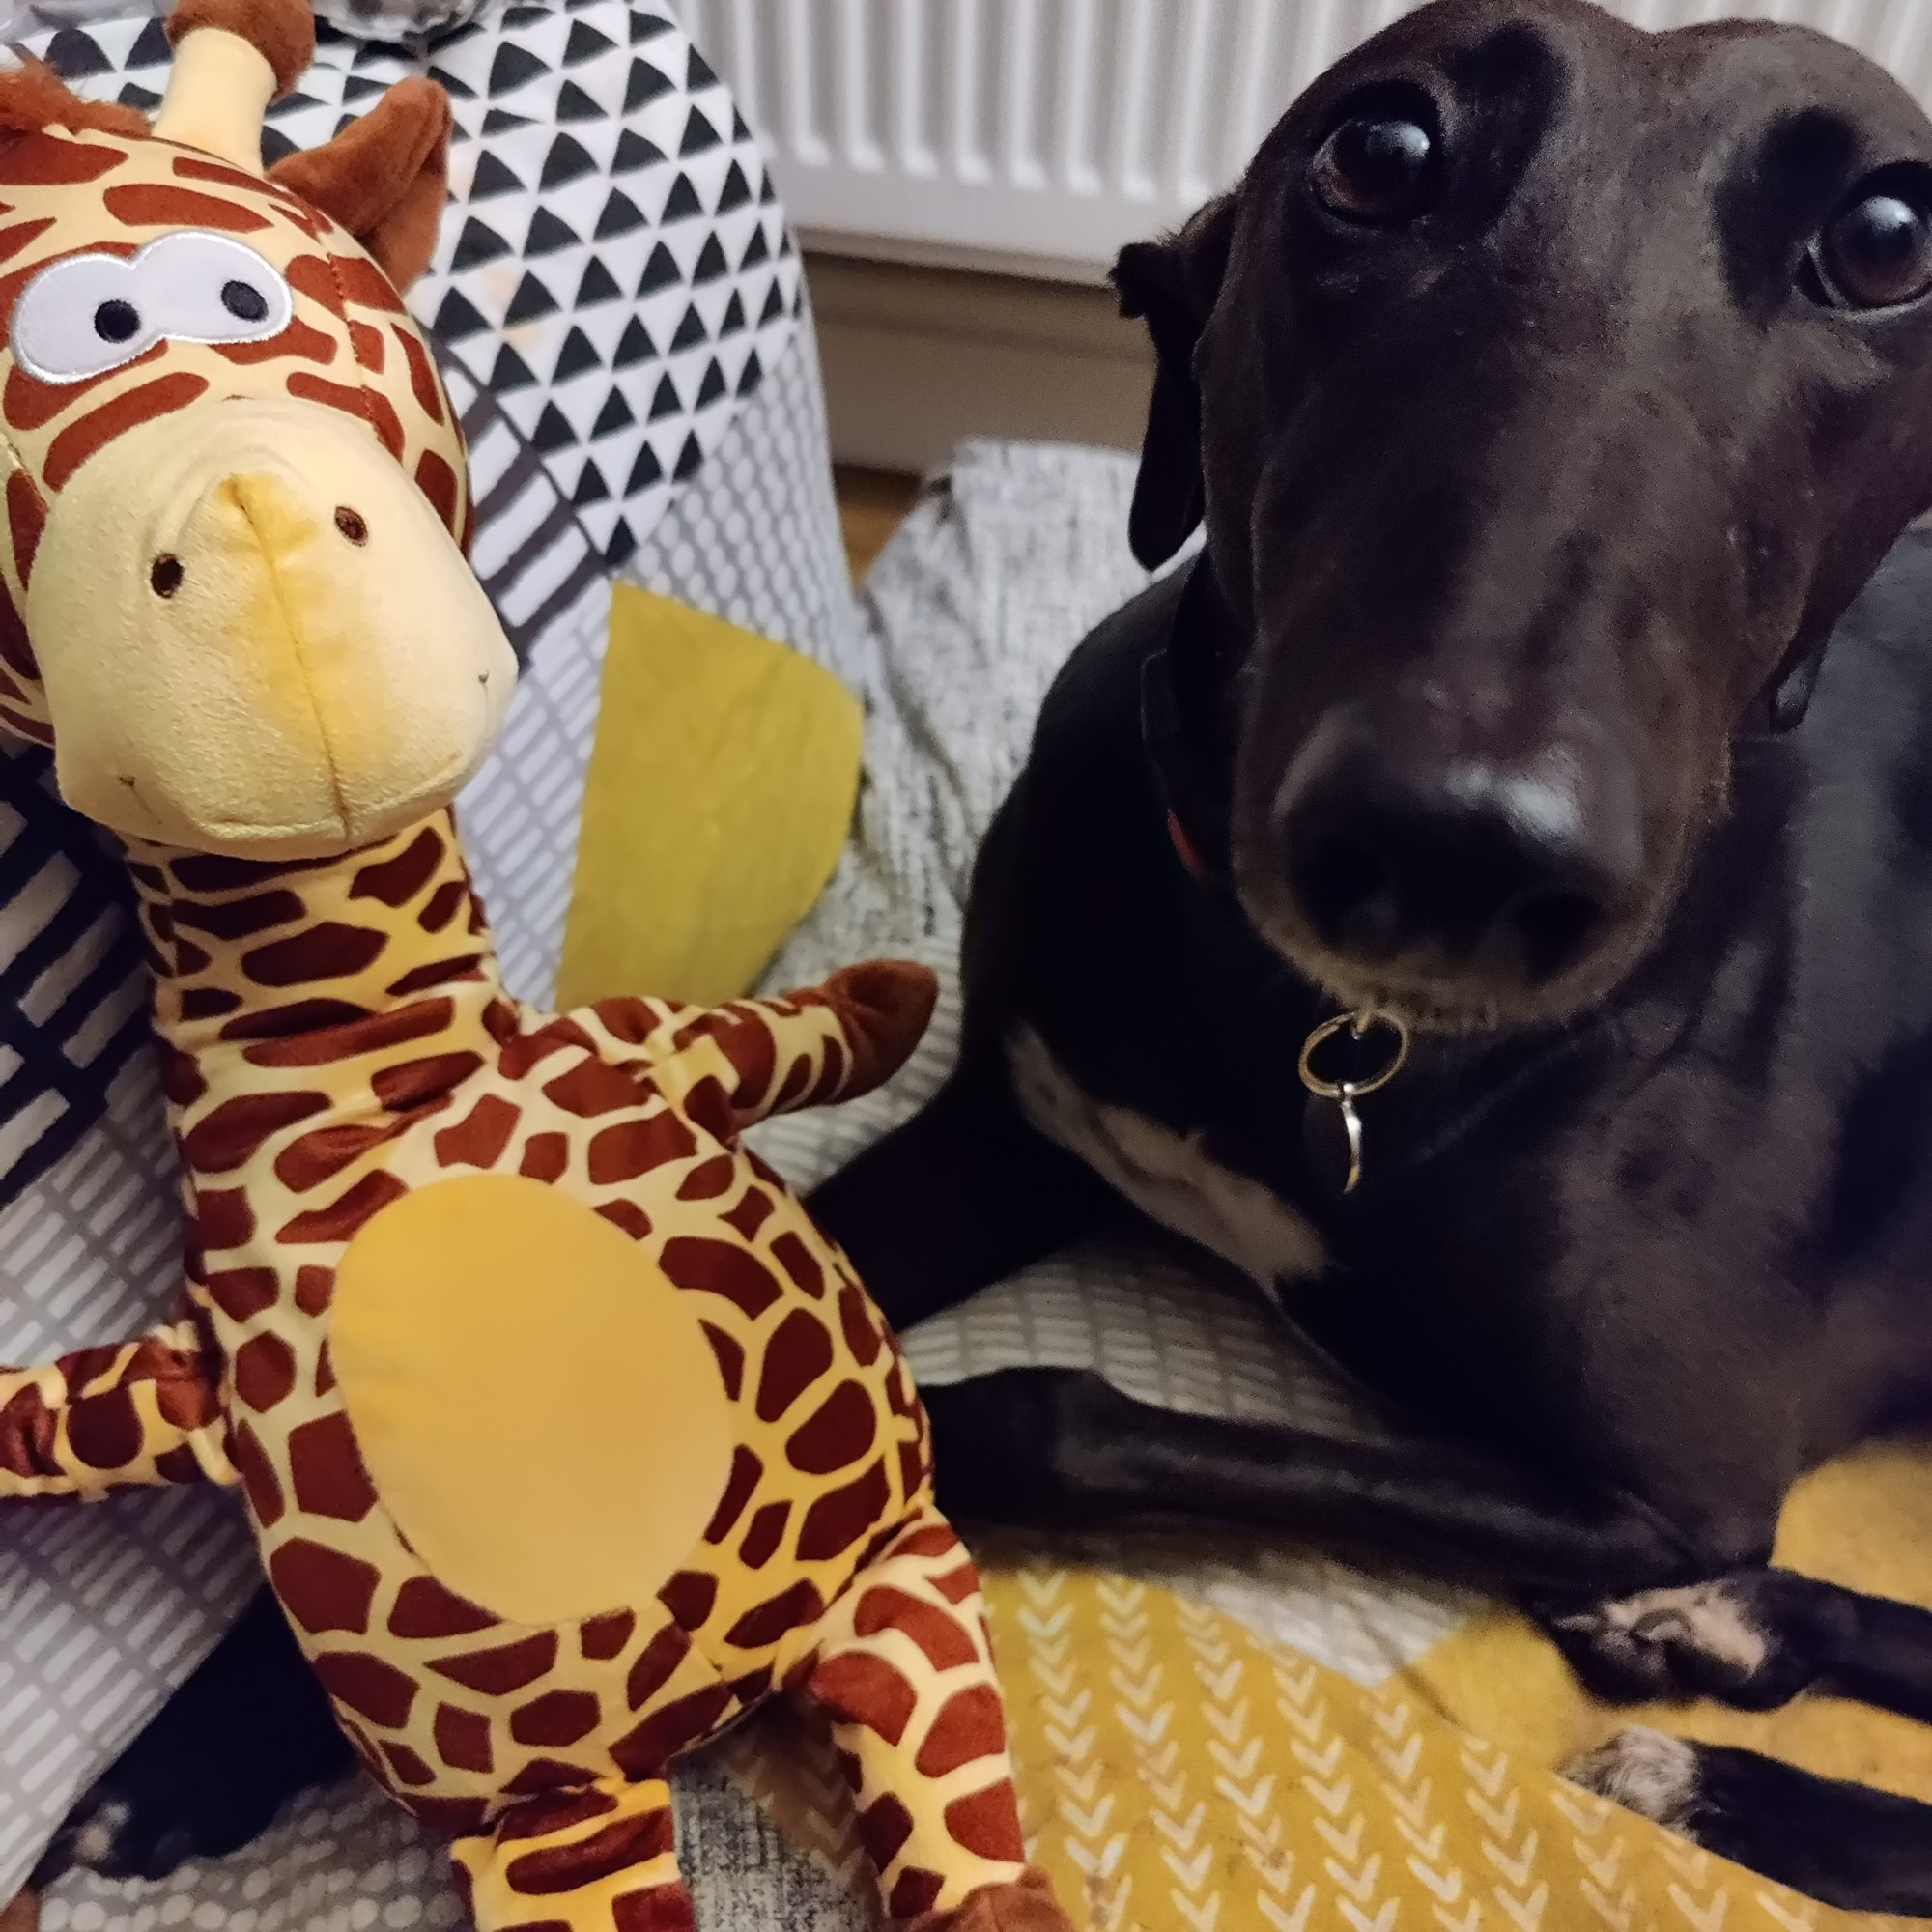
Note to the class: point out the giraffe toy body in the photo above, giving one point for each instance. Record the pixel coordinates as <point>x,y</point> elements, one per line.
<point>567,1437</point>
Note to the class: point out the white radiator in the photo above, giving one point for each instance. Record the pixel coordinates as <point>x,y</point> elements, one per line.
<point>1038,135</point>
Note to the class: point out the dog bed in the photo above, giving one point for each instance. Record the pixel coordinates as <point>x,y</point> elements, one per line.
<point>1207,1735</point>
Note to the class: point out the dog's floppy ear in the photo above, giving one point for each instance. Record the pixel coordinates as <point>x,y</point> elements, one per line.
<point>1172,284</point>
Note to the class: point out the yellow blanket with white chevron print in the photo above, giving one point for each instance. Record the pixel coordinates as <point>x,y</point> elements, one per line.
<point>1178,1771</point>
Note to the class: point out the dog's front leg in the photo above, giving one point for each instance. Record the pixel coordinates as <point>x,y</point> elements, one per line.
<point>1062,1448</point>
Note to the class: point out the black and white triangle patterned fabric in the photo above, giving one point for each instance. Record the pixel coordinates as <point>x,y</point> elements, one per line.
<point>614,266</point>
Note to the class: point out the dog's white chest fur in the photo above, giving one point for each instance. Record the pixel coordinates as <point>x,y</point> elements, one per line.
<point>1170,1178</point>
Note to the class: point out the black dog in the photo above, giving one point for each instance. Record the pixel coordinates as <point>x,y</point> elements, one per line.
<point>1548,390</point>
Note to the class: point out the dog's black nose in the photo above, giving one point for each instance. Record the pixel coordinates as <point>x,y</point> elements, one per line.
<point>1457,864</point>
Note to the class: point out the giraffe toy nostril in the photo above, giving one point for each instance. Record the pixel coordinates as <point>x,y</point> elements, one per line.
<point>164,576</point>
<point>352,524</point>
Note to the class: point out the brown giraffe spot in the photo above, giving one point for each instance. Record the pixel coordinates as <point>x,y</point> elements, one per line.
<point>322,1589</point>
<point>216,873</point>
<point>372,408</point>
<point>189,960</point>
<point>105,1431</point>
<point>619,1846</point>
<point>312,277</point>
<point>424,1608</point>
<point>541,1817</point>
<point>689,1597</point>
<point>591,1087</point>
<point>265,1372</point>
<point>322,1154</point>
<point>835,1522</point>
<point>752,1688</point>
<point>712,1266</point>
<point>364,284</point>
<point>453,1818</point>
<point>655,1665</point>
<point>751,1213</point>
<point>763,1537</point>
<point>792,1608</point>
<point>326,1470</point>
<point>801,1263</point>
<point>746,1042</point>
<point>970,1725</point>
<point>395,882</point>
<point>956,1585</point>
<point>479,1138</point>
<point>207,1002</point>
<point>524,1052</point>
<point>240,918</point>
<point>989,1822</point>
<point>13,239</point>
<point>627,1215</point>
<point>837,1434</point>
<point>297,339</point>
<point>832,1075</point>
<point>325,1370</point>
<point>463,1739</point>
<point>258,1475</point>
<point>182,1397</point>
<point>603,1637</point>
<point>917,1890</point>
<point>178,1465</point>
<point>933,1540</point>
<point>437,480</point>
<point>646,1750</point>
<point>39,160</point>
<point>378,1690</point>
<point>857,1688</point>
<point>416,1082</point>
<point>406,1767</point>
<point>731,1358</point>
<point>548,1774</point>
<point>885,1608</point>
<point>191,168</point>
<point>632,1148</point>
<point>746,1470</point>
<point>27,1433</point>
<point>315,1288</point>
<point>632,1020</point>
<point>442,905</point>
<point>913,1468</point>
<point>884,1826</point>
<point>182,1079</point>
<point>367,346</point>
<point>343,1216</point>
<point>794,1086</point>
<point>92,433</point>
<point>15,648</point>
<point>710,1178</point>
<point>157,204</point>
<point>327,951</point>
<point>557,1718</point>
<point>505,1668</point>
<point>545,1156</point>
<point>437,972</point>
<point>798,1353</point>
<point>293,1024</point>
<point>234,1133</point>
<point>862,1331</point>
<point>30,404</point>
<point>349,1033</point>
<point>428,392</point>
<point>223,1218</point>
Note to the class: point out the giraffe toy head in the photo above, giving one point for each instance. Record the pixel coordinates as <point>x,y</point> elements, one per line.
<point>235,595</point>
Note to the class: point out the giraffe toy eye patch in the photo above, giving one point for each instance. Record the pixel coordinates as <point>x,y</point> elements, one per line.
<point>86,314</point>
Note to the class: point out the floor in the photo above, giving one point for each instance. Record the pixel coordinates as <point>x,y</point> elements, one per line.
<point>870,504</point>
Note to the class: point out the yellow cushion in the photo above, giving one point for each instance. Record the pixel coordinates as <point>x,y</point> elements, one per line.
<point>720,790</point>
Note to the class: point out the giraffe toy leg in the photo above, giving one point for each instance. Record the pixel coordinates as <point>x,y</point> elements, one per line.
<point>598,1860</point>
<point>904,1672</point>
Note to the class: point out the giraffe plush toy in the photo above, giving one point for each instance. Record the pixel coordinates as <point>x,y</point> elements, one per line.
<point>567,1437</point>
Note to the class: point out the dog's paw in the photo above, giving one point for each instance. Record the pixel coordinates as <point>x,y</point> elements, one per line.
<point>1645,1772</point>
<point>1727,1638</point>
<point>1015,1448</point>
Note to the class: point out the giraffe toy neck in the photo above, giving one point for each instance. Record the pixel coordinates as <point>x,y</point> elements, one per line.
<point>301,965</point>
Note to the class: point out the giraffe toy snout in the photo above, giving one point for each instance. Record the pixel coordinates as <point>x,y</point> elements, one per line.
<point>256,636</point>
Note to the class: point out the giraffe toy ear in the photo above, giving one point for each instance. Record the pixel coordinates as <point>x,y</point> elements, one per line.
<point>385,177</point>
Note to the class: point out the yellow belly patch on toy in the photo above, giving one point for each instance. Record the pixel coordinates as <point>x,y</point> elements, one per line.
<point>536,1403</point>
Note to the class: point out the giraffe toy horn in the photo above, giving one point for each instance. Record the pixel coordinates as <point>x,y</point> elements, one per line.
<point>232,58</point>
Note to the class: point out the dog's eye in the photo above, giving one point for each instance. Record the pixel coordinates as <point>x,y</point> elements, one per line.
<point>1375,169</point>
<point>1878,253</point>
